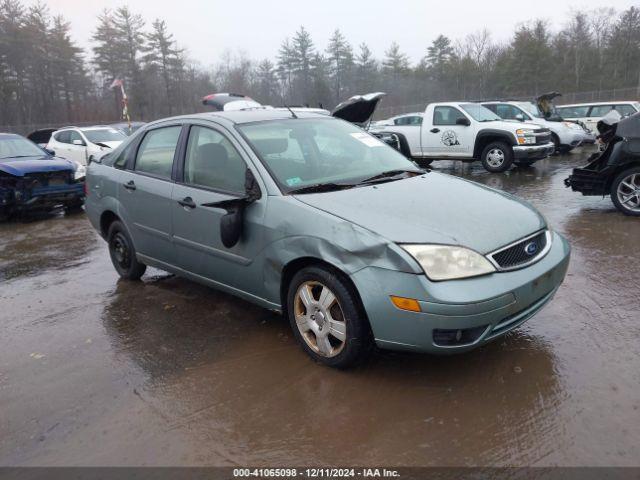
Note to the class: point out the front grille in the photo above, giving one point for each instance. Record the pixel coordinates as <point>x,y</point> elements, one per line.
<point>543,135</point>
<point>521,253</point>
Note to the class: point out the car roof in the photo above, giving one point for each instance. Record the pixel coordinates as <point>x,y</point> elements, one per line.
<point>597,104</point>
<point>245,116</point>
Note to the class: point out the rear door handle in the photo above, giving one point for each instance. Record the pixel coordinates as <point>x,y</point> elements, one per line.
<point>434,130</point>
<point>130,185</point>
<point>187,202</point>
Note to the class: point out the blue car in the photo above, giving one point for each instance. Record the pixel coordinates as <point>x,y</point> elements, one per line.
<point>33,179</point>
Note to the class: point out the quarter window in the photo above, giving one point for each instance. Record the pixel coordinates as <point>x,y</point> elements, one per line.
<point>446,115</point>
<point>156,152</point>
<point>213,162</point>
<point>62,137</point>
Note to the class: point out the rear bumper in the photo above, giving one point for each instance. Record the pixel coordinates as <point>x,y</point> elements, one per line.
<point>532,152</point>
<point>481,309</point>
<point>588,182</point>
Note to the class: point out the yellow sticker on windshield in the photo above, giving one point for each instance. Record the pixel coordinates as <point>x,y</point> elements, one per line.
<point>368,140</point>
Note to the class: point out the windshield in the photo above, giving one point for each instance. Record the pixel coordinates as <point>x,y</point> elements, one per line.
<point>18,147</point>
<point>530,108</point>
<point>104,135</point>
<point>304,152</point>
<point>479,112</point>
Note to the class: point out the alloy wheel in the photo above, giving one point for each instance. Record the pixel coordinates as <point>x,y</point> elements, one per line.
<point>629,192</point>
<point>495,157</point>
<point>320,319</point>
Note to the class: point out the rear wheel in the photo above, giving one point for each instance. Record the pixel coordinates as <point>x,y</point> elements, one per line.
<point>326,318</point>
<point>123,254</point>
<point>497,157</point>
<point>625,192</point>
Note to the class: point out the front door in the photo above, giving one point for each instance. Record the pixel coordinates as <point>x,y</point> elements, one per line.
<point>145,193</point>
<point>213,171</point>
<point>446,138</point>
<point>77,148</point>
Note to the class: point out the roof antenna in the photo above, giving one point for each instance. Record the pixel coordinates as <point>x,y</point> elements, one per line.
<point>293,114</point>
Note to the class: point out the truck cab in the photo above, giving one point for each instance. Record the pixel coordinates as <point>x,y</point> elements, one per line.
<point>468,132</point>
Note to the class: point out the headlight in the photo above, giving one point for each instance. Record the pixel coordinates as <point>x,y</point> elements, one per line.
<point>80,172</point>
<point>525,136</point>
<point>445,262</point>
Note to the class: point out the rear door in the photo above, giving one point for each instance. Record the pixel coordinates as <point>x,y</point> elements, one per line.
<point>214,170</point>
<point>595,115</point>
<point>444,138</point>
<point>145,193</point>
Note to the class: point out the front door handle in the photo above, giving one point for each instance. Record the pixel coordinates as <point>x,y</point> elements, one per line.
<point>434,130</point>
<point>187,202</point>
<point>130,185</point>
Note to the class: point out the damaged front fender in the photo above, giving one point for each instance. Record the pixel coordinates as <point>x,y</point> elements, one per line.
<point>305,232</point>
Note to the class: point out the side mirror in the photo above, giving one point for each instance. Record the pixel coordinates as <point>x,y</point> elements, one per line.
<point>520,117</point>
<point>79,143</point>
<point>231,223</point>
<point>464,121</point>
<point>50,152</point>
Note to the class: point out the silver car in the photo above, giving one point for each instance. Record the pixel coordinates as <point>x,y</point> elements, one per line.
<point>313,217</point>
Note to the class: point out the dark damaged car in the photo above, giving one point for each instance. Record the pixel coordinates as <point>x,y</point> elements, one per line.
<point>33,179</point>
<point>616,170</point>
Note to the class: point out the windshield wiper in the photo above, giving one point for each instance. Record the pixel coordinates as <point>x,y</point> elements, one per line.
<point>321,187</point>
<point>388,175</point>
<point>17,156</point>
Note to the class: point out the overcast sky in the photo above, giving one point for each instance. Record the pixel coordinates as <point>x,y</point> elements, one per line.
<point>206,28</point>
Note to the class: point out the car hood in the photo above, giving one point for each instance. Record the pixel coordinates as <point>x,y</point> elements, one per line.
<point>434,208</point>
<point>509,125</point>
<point>24,166</point>
<point>359,108</point>
<point>111,145</point>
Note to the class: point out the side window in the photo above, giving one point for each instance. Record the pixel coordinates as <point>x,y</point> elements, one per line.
<point>402,121</point>
<point>213,162</point>
<point>600,110</point>
<point>73,136</point>
<point>625,110</point>
<point>417,120</point>
<point>62,137</point>
<point>121,160</point>
<point>155,155</point>
<point>446,115</point>
<point>508,112</point>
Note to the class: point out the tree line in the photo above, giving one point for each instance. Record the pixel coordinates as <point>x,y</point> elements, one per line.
<point>46,78</point>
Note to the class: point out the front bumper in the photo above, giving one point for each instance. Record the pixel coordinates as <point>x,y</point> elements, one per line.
<point>49,196</point>
<point>482,308</point>
<point>531,153</point>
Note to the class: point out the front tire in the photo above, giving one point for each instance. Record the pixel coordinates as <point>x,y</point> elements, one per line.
<point>625,192</point>
<point>326,318</point>
<point>497,157</point>
<point>123,254</point>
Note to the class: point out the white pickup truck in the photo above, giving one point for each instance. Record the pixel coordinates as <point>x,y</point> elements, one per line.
<point>467,131</point>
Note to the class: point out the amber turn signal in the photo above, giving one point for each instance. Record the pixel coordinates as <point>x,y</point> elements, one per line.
<point>405,303</point>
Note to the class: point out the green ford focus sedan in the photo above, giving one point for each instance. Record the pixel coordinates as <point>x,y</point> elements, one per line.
<point>313,217</point>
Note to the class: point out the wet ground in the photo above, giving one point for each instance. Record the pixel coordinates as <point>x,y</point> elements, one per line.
<point>96,371</point>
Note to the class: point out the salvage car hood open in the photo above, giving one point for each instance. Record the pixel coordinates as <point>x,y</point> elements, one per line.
<point>24,166</point>
<point>359,108</point>
<point>433,208</point>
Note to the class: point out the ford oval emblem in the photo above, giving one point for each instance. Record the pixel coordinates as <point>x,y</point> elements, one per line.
<point>531,248</point>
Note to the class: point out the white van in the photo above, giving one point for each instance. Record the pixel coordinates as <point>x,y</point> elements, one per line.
<point>591,113</point>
